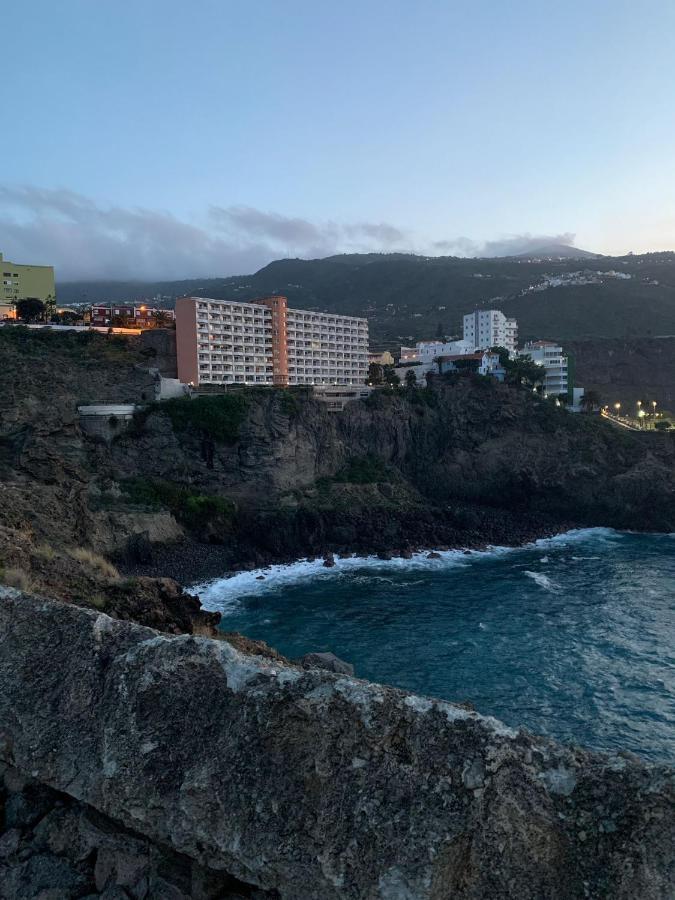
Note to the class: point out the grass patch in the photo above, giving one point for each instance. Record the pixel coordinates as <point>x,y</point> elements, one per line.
<point>369,469</point>
<point>289,403</point>
<point>16,578</point>
<point>45,551</point>
<point>94,561</point>
<point>191,509</point>
<point>220,416</point>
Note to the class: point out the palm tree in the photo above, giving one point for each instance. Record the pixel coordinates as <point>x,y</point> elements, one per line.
<point>591,401</point>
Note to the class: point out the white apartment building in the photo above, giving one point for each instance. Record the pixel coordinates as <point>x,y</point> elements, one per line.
<point>551,356</point>
<point>487,328</point>
<point>428,351</point>
<point>265,342</point>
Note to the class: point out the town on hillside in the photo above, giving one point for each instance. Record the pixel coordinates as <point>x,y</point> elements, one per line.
<point>215,344</point>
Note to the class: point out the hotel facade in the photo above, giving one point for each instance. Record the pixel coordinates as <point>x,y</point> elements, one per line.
<point>264,342</point>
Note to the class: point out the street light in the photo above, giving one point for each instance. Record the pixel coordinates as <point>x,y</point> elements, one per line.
<point>617,407</point>
<point>641,416</point>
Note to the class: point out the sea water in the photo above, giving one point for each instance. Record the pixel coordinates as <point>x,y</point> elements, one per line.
<point>573,636</point>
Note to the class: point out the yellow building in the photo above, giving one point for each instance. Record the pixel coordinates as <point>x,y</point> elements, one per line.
<point>19,282</point>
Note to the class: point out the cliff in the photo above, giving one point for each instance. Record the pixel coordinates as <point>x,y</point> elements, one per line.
<point>185,768</point>
<point>196,487</point>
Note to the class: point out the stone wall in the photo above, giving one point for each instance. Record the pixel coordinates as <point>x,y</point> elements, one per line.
<point>311,785</point>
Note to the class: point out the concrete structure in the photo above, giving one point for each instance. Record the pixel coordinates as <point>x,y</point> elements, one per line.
<point>427,351</point>
<point>422,357</point>
<point>23,282</point>
<point>336,397</point>
<point>381,359</point>
<point>265,342</point>
<point>485,328</point>
<point>480,363</point>
<point>128,315</point>
<point>104,421</point>
<point>552,357</point>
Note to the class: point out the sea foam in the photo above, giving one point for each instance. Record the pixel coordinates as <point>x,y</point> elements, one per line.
<point>222,594</point>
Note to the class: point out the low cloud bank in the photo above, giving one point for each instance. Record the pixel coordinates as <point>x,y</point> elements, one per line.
<point>85,240</point>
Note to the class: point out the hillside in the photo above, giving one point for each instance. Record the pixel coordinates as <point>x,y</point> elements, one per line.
<point>407,298</point>
<point>270,474</point>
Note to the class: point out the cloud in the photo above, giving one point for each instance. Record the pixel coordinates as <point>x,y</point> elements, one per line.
<point>512,245</point>
<point>84,240</point>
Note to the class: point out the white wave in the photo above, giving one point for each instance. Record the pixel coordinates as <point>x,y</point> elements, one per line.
<point>542,580</point>
<point>544,559</point>
<point>223,594</point>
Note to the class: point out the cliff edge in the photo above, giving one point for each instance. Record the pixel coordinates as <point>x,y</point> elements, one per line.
<point>306,785</point>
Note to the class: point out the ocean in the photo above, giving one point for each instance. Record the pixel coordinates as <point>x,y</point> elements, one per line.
<point>572,637</point>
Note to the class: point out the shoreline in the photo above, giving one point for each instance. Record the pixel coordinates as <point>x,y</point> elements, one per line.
<point>256,580</point>
<point>192,563</point>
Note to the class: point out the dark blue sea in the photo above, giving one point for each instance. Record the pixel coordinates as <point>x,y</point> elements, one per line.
<point>573,637</point>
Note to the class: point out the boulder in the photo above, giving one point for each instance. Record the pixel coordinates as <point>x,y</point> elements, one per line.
<point>328,661</point>
<point>309,784</point>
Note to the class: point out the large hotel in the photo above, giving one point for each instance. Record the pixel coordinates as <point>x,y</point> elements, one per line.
<point>265,342</point>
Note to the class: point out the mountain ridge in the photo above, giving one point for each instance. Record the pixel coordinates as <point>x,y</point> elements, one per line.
<point>408,297</point>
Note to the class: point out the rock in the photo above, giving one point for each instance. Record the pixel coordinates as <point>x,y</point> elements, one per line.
<point>433,555</point>
<point>406,554</point>
<point>385,554</point>
<point>328,661</point>
<point>329,561</point>
<point>305,783</point>
<point>138,548</point>
<point>9,842</point>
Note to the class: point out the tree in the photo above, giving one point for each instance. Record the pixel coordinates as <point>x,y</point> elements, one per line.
<point>162,319</point>
<point>524,372</point>
<point>411,378</point>
<point>591,401</point>
<point>30,310</point>
<point>67,317</point>
<point>662,425</point>
<point>375,374</point>
<point>390,376</point>
<point>502,353</point>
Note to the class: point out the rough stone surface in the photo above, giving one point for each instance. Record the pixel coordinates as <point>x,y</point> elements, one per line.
<point>312,784</point>
<point>68,850</point>
<point>328,661</point>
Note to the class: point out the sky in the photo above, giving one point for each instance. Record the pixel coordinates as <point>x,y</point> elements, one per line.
<point>164,139</point>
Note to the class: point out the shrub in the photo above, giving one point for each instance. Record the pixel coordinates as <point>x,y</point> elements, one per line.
<point>220,416</point>
<point>192,509</point>
<point>45,551</point>
<point>16,578</point>
<point>94,561</point>
<point>367,469</point>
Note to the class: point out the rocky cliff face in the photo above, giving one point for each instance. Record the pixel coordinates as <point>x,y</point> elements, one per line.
<point>465,463</point>
<point>302,784</point>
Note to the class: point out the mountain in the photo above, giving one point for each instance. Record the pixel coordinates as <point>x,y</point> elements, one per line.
<point>408,298</point>
<point>558,251</point>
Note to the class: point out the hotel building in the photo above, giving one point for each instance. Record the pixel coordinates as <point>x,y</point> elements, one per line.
<point>265,342</point>
<point>556,367</point>
<point>486,328</point>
